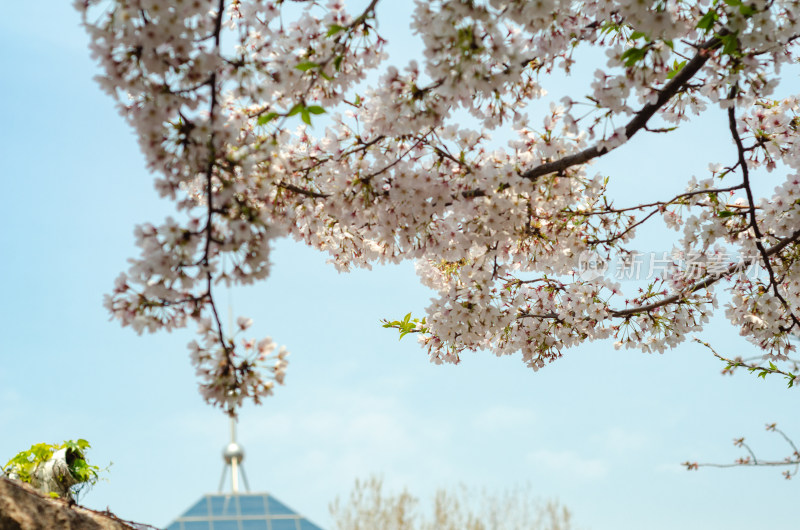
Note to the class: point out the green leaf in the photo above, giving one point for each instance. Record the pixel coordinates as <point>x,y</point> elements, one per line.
<point>297,109</point>
<point>730,44</point>
<point>315,109</point>
<point>747,10</point>
<point>407,325</point>
<point>25,462</point>
<point>305,116</point>
<point>707,20</point>
<point>334,29</point>
<point>638,35</point>
<point>633,55</point>
<point>725,213</point>
<point>337,61</point>
<point>306,66</point>
<point>608,27</point>
<point>266,118</point>
<point>676,67</point>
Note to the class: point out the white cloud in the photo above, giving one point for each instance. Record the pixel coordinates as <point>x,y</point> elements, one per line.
<point>352,434</point>
<point>569,463</point>
<point>621,440</point>
<point>503,417</point>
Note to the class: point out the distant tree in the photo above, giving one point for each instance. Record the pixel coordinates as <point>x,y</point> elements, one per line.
<point>513,236</point>
<point>369,507</point>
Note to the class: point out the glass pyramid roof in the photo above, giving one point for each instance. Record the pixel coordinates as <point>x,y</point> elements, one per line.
<point>241,511</point>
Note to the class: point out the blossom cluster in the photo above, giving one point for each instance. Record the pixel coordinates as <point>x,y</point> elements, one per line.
<point>222,93</point>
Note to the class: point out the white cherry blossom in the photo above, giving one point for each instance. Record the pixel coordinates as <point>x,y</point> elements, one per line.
<point>220,94</point>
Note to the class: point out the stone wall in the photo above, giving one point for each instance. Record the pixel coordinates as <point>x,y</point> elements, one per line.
<point>22,508</point>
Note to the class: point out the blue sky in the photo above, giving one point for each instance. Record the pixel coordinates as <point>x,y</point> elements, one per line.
<point>601,430</point>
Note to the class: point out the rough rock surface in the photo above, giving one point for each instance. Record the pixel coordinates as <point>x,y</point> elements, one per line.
<point>22,508</point>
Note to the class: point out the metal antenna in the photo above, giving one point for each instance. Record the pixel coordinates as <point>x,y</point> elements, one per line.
<point>233,455</point>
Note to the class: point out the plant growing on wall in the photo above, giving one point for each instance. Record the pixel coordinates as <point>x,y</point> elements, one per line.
<point>59,470</point>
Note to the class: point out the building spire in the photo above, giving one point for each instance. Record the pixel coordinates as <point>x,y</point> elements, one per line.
<point>233,455</point>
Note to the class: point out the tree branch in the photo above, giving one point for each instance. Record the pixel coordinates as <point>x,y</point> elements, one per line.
<point>640,119</point>
<point>759,237</point>
<point>676,298</point>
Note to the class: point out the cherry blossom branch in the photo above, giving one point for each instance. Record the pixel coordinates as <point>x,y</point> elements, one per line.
<point>640,119</point>
<point>296,189</point>
<point>627,230</point>
<point>661,204</point>
<point>793,460</point>
<point>762,371</point>
<point>369,10</point>
<point>362,147</point>
<point>427,185</point>
<point>210,188</point>
<point>759,237</point>
<point>679,298</point>
<point>710,280</point>
<point>747,362</point>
